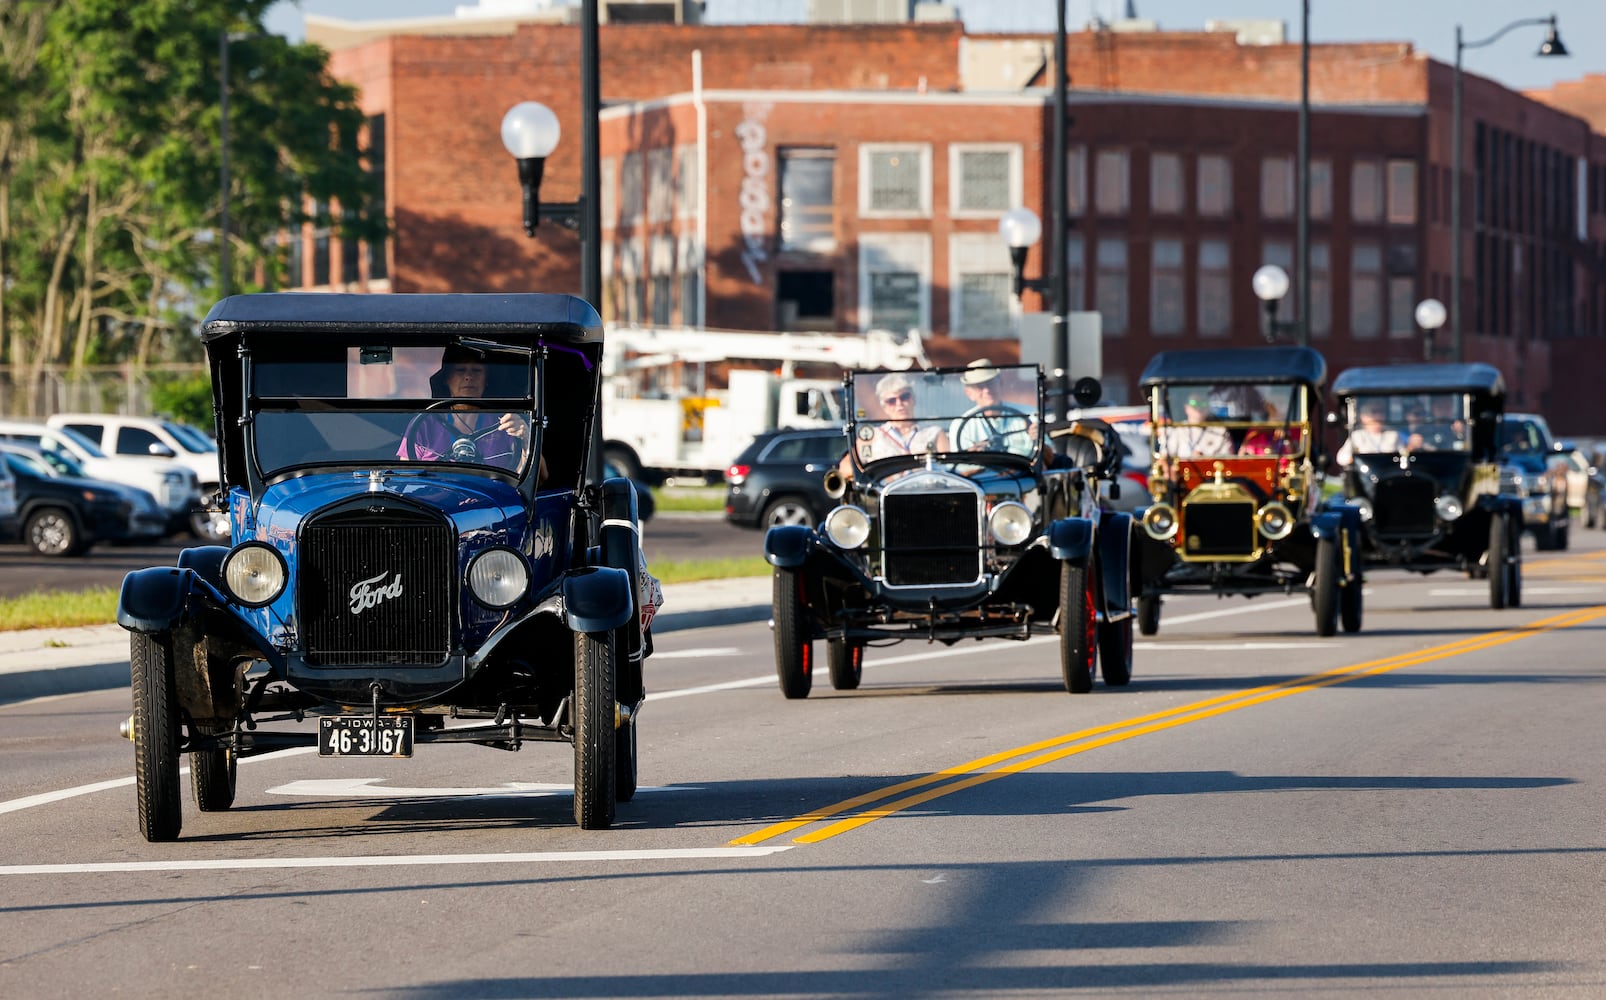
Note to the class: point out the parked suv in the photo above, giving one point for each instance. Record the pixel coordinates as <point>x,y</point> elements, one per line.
<point>175,487</point>
<point>64,517</point>
<point>154,441</point>
<point>1533,469</point>
<point>780,478</point>
<point>8,502</point>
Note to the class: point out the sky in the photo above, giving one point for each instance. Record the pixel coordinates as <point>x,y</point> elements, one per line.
<point>1429,24</point>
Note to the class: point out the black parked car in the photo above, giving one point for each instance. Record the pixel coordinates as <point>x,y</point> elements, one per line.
<point>780,478</point>
<point>64,516</point>
<point>1425,476</point>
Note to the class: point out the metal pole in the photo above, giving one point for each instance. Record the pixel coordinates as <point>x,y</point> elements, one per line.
<point>1302,192</point>
<point>590,160</point>
<point>1455,205</point>
<point>223,161</point>
<point>1061,223</point>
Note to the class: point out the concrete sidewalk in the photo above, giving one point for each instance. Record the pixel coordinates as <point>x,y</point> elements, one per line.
<point>40,662</point>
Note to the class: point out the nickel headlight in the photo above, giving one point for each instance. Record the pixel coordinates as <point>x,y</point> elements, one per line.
<point>498,578</point>
<point>847,527</point>
<point>1010,523</point>
<point>1160,521</point>
<point>1274,521</point>
<point>1364,506</point>
<point>1448,507</point>
<point>255,574</point>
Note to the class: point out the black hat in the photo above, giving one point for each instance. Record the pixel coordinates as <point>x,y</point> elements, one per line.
<point>454,354</point>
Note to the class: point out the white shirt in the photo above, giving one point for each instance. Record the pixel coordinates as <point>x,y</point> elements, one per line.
<point>1197,442</point>
<point>890,441</point>
<point>1368,443</point>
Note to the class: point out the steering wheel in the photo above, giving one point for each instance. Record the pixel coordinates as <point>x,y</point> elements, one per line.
<point>465,447</point>
<point>992,439</point>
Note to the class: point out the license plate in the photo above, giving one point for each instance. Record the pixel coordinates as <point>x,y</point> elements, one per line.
<point>365,736</point>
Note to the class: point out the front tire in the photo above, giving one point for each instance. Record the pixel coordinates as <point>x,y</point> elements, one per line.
<point>1349,596</point>
<point>1149,614</point>
<point>1115,652</point>
<point>595,733</point>
<point>156,738</point>
<point>1324,595</point>
<point>794,647</point>
<point>846,662</point>
<point>1078,626</point>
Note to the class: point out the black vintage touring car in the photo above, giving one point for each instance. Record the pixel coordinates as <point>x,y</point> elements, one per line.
<point>1236,485</point>
<point>1421,464</point>
<point>417,556</point>
<point>955,523</point>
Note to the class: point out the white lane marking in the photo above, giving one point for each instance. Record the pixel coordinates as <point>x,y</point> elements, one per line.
<point>1249,608</point>
<point>687,654</point>
<point>709,688</point>
<point>45,798</point>
<point>1218,647</point>
<point>1527,591</point>
<point>370,788</point>
<point>394,860</point>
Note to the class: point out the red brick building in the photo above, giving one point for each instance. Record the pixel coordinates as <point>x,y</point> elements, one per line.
<point>846,178</point>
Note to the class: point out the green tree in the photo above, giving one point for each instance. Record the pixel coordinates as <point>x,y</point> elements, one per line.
<point>109,165</point>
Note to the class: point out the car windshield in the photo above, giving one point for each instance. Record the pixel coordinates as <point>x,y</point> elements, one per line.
<point>191,439</point>
<point>1226,420</point>
<point>978,410</point>
<point>1412,421</point>
<point>62,464</point>
<point>380,405</point>
<point>89,447</point>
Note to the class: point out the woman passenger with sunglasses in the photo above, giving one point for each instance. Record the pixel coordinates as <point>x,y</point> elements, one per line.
<point>899,434</point>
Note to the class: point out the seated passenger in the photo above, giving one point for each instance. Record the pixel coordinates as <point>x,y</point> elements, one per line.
<point>900,434</point>
<point>1194,438</point>
<point>1371,437</point>
<point>1271,440</point>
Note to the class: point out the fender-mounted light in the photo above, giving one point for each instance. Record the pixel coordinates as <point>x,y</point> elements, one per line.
<point>1010,523</point>
<point>1274,521</point>
<point>1160,521</point>
<point>848,527</point>
<point>255,574</point>
<point>1448,507</point>
<point>498,578</point>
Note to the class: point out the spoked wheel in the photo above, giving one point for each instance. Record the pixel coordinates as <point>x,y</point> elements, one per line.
<point>595,736</point>
<point>1324,596</point>
<point>212,778</point>
<point>1078,625</point>
<point>1149,613</point>
<point>1349,597</point>
<point>794,647</point>
<point>156,737</point>
<point>1115,652</point>
<point>624,762</point>
<point>845,658</point>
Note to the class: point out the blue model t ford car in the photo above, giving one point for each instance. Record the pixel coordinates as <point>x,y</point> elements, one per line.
<point>414,538</point>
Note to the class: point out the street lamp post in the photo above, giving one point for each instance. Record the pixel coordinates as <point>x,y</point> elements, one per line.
<point>1271,284</point>
<point>1429,316</point>
<point>1551,46</point>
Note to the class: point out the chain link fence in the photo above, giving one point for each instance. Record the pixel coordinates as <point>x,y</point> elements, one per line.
<point>34,395</point>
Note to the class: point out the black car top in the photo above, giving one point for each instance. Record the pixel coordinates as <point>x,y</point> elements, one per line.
<point>1475,377</point>
<point>1236,365</point>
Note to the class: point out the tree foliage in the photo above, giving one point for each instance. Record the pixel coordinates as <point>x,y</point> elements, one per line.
<point>110,161</point>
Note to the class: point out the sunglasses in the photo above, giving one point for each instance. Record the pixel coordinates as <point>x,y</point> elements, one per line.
<point>902,397</point>
<point>1194,402</point>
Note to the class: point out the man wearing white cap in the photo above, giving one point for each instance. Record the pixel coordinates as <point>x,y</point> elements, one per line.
<point>990,424</point>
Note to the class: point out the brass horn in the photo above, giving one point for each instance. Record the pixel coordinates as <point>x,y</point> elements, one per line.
<point>835,484</point>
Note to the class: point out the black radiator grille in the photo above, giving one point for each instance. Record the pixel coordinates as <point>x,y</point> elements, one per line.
<point>1218,529</point>
<point>1404,506</point>
<point>397,569</point>
<point>930,539</point>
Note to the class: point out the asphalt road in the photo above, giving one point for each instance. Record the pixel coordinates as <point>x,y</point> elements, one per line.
<point>668,536</point>
<point>1412,811</point>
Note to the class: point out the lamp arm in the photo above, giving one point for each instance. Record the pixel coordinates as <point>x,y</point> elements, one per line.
<point>1524,22</point>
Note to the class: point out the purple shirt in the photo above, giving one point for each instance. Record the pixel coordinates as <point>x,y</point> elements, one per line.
<point>431,440</point>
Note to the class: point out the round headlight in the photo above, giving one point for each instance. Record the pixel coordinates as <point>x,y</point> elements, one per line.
<point>497,578</point>
<point>1275,521</point>
<point>1448,507</point>
<point>1364,506</point>
<point>255,574</point>
<point>1010,523</point>
<point>847,527</point>
<point>1160,521</point>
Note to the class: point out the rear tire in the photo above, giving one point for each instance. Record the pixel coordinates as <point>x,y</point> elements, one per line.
<point>1499,572</point>
<point>794,647</point>
<point>625,762</point>
<point>845,659</point>
<point>1115,652</point>
<point>51,531</point>
<point>1078,626</point>
<point>595,735</point>
<point>1324,595</point>
<point>1149,614</point>
<point>156,738</point>
<point>212,779</point>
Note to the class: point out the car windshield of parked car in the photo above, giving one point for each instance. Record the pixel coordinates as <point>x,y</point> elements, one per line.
<point>1410,421</point>
<point>191,439</point>
<point>88,447</point>
<point>1239,419</point>
<point>971,411</point>
<point>384,405</point>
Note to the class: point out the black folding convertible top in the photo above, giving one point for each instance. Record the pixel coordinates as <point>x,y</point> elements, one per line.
<point>1420,378</point>
<point>1236,365</point>
<point>560,317</point>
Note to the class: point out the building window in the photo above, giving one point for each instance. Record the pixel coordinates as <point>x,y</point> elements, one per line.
<point>1321,189</point>
<point>607,181</point>
<point>981,303</point>
<point>1366,192</point>
<point>895,180</point>
<point>631,196</point>
<point>986,179</point>
<point>662,293</point>
<point>806,300</point>
<point>1076,273</point>
<point>350,253</point>
<point>689,265</point>
<point>1277,187</point>
<point>1075,181</point>
<point>688,181</point>
<point>1366,291</point>
<point>1167,289</point>
<point>1281,253</point>
<point>1321,291</point>
<point>894,281</point>
<point>660,185</point>
<point>631,285</point>
<point>808,205</point>
<point>1402,308</point>
<point>1402,192</point>
<point>320,244</point>
<point>1215,288</point>
<point>380,206</point>
<point>1110,285</point>
<point>1112,182</point>
<point>1166,196</point>
<point>1215,186</point>
<point>294,268</point>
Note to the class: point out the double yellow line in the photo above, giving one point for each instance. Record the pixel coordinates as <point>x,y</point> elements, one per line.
<point>918,791</point>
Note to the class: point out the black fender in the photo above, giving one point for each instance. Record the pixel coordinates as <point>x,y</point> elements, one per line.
<point>154,600</point>
<point>597,599</point>
<point>206,561</point>
<point>1115,548</point>
<point>787,545</point>
<point>619,545</point>
<point>1328,523</point>
<point>1499,503</point>
<point>1070,538</point>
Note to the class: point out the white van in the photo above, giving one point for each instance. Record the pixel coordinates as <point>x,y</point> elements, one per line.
<point>175,486</point>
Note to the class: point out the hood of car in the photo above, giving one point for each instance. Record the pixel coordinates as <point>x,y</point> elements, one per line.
<point>1447,469</point>
<point>486,510</point>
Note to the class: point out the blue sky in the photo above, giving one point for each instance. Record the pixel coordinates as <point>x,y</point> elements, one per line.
<point>1430,24</point>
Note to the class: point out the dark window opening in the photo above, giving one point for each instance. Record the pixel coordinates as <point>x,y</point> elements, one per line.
<point>806,300</point>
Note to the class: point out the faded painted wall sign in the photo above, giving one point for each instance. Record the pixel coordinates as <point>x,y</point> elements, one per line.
<point>755,199</point>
